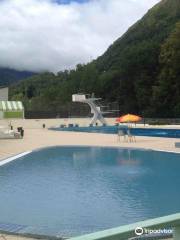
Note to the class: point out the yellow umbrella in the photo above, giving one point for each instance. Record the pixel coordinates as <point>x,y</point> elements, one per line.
<point>129,118</point>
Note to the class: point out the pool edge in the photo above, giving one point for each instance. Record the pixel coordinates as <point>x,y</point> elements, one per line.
<point>12,158</point>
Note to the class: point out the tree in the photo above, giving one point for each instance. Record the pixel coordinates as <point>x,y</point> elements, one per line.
<point>167,93</point>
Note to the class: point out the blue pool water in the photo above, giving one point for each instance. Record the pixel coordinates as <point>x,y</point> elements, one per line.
<point>75,190</point>
<point>151,132</point>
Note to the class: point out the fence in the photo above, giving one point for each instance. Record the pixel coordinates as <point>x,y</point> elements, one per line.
<point>72,110</point>
<point>161,121</point>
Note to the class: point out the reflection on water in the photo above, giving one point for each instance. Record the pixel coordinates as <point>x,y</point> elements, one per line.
<point>127,159</point>
<point>74,190</point>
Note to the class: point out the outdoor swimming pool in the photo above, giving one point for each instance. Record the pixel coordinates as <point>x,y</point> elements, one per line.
<point>69,191</point>
<point>150,132</point>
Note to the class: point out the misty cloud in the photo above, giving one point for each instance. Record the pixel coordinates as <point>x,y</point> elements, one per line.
<point>41,35</point>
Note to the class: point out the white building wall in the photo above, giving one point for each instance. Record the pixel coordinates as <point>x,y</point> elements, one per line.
<point>3,94</point>
<point>1,114</point>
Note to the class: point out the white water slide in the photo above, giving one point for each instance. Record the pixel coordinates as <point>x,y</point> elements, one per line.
<point>96,110</point>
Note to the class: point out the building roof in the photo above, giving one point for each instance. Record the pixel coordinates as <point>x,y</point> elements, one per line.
<point>11,106</point>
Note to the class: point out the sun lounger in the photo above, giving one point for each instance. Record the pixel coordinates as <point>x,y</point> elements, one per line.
<point>9,134</point>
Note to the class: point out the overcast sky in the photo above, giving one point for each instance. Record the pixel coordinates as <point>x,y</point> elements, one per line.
<point>53,35</point>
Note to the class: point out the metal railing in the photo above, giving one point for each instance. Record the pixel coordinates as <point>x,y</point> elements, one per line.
<point>128,231</point>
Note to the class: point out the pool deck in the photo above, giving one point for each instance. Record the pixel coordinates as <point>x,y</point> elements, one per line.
<point>37,137</point>
<point>13,237</point>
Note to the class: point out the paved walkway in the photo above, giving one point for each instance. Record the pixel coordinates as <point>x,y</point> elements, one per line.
<point>38,138</point>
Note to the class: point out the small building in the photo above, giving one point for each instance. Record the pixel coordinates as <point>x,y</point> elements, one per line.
<point>4,93</point>
<point>11,110</point>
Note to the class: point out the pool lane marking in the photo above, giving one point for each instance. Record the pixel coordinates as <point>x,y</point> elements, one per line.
<point>10,159</point>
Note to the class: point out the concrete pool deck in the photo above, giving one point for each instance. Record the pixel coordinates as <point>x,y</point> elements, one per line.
<point>37,137</point>
<point>13,237</point>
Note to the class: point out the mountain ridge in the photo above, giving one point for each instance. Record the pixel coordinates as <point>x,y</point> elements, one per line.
<point>129,72</point>
<point>9,76</point>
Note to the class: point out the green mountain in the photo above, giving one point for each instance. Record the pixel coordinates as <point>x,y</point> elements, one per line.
<point>140,70</point>
<point>9,76</point>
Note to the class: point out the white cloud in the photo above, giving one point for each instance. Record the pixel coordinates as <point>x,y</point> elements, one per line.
<point>41,35</point>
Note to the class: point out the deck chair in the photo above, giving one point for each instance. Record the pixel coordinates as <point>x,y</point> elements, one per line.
<point>131,137</point>
<point>121,134</point>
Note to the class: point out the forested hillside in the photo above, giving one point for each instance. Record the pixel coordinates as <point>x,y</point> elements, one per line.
<point>9,76</point>
<point>141,70</point>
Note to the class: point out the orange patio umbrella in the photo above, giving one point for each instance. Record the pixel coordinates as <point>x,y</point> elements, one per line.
<point>129,118</point>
